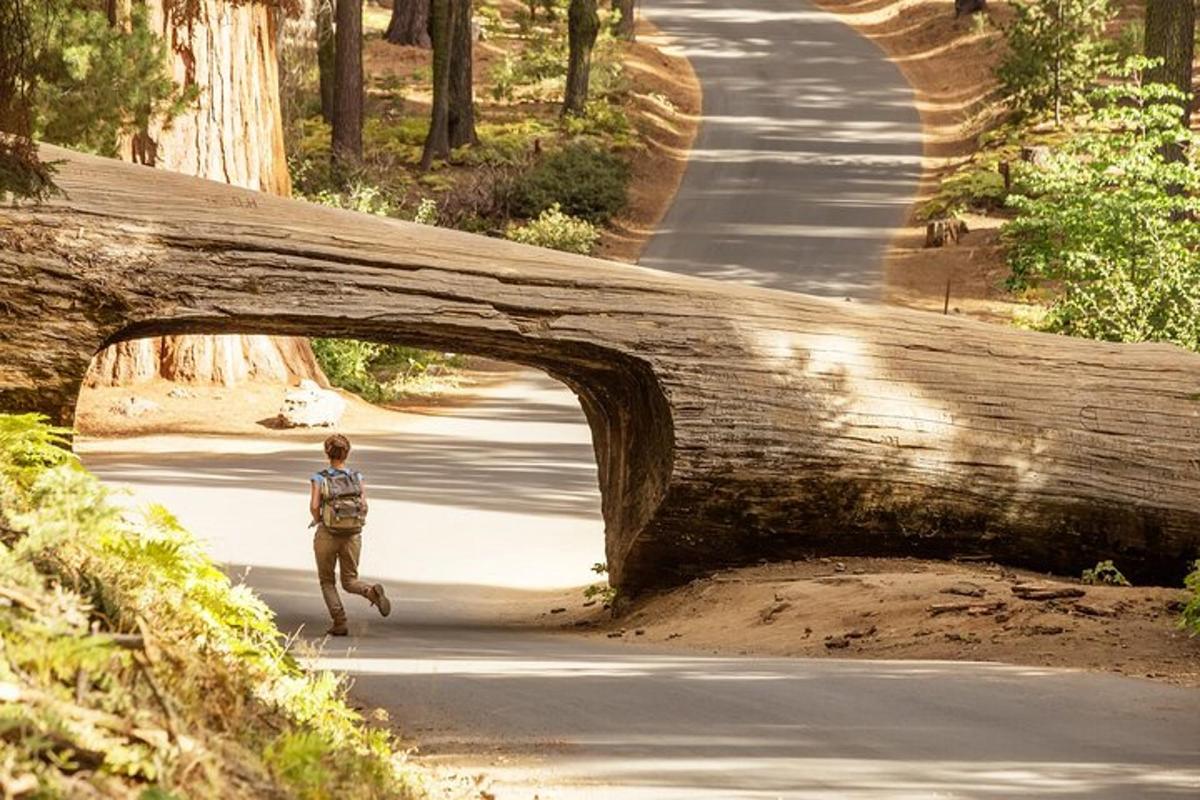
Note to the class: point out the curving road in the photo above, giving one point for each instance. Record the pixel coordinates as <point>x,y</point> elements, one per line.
<point>808,154</point>
<point>806,159</point>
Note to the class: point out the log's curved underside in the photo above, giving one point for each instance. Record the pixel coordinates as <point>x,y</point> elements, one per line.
<point>730,423</point>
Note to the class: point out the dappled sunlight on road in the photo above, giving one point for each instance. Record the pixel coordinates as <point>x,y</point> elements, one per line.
<point>499,492</point>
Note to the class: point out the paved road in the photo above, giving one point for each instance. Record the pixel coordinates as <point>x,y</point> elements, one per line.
<point>473,508</point>
<point>808,153</point>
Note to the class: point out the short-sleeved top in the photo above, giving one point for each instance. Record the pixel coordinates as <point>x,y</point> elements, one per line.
<point>318,478</point>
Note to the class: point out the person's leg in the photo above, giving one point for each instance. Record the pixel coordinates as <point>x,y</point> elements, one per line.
<point>348,556</point>
<point>325,547</point>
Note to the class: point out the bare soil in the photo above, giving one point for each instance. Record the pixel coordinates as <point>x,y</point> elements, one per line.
<point>250,408</point>
<point>875,608</point>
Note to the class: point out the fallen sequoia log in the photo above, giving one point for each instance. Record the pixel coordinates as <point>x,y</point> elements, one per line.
<point>730,423</point>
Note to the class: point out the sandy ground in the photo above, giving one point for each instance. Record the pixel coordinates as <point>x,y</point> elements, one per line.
<point>906,609</point>
<point>250,408</point>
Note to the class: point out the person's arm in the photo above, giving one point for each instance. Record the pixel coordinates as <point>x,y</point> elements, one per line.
<point>314,501</point>
<point>363,484</point>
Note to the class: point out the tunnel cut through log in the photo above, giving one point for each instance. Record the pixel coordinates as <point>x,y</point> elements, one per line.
<point>729,423</point>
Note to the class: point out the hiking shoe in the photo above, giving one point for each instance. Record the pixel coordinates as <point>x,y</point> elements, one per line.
<point>338,629</point>
<point>381,600</point>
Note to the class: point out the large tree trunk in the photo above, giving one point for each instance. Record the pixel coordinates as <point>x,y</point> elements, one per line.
<point>461,103</point>
<point>441,27</point>
<point>583,24</point>
<point>730,423</point>
<point>410,23</point>
<point>233,133</point>
<point>627,22</point>
<point>348,84</point>
<point>1171,36</point>
<point>326,58</point>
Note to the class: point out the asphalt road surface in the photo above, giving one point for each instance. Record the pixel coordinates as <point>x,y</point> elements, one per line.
<point>808,154</point>
<point>473,509</point>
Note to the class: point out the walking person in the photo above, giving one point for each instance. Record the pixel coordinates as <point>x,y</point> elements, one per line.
<point>338,502</point>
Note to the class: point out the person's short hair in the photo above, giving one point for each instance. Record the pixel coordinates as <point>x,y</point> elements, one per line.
<point>337,447</point>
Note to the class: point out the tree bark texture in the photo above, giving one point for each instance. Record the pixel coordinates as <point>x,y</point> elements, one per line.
<point>441,28</point>
<point>233,133</point>
<point>348,83</point>
<point>730,423</point>
<point>326,58</point>
<point>1171,36</point>
<point>461,103</point>
<point>583,24</point>
<point>627,23</point>
<point>409,24</point>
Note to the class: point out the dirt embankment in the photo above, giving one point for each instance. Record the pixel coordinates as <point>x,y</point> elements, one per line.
<point>908,609</point>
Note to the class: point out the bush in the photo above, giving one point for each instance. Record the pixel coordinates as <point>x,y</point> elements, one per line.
<point>585,181</point>
<point>1104,573</point>
<point>1109,225</point>
<point>1191,612</point>
<point>970,188</point>
<point>378,372</point>
<point>1056,50</point>
<point>557,231</point>
<point>211,685</point>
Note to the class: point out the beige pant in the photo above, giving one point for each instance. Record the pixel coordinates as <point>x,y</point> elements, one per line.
<point>332,550</point>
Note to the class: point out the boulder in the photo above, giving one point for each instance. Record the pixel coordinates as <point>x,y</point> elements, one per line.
<point>310,406</point>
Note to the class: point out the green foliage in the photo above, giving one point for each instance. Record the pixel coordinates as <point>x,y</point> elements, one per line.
<point>1104,573</point>
<point>23,175</point>
<point>1056,49</point>
<point>605,593</point>
<point>91,81</point>
<point>971,188</point>
<point>378,372</point>
<point>557,231</point>
<point>209,704</point>
<point>427,212</point>
<point>1108,225</point>
<point>1191,612</point>
<point>584,180</point>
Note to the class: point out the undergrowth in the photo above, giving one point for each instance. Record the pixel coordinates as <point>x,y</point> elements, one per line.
<point>130,666</point>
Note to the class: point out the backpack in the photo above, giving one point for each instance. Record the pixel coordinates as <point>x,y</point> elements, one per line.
<point>343,509</point>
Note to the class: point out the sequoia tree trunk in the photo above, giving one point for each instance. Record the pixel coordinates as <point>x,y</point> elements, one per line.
<point>348,84</point>
<point>461,103</point>
<point>326,58</point>
<point>233,133</point>
<point>1171,36</point>
<point>627,23</point>
<point>583,24</point>
<point>441,27</point>
<point>729,423</point>
<point>410,23</point>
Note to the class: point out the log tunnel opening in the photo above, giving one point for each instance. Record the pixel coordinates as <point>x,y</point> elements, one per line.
<point>622,402</point>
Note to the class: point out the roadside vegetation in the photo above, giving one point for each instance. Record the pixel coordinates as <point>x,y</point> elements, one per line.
<point>130,666</point>
<point>1092,173</point>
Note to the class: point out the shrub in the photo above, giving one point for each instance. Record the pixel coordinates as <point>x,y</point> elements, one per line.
<point>1056,50</point>
<point>1106,573</point>
<point>1108,224</point>
<point>971,188</point>
<point>585,181</point>
<point>378,372</point>
<point>1191,612</point>
<point>557,231</point>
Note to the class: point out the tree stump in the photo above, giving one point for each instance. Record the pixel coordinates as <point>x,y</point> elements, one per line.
<point>940,232</point>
